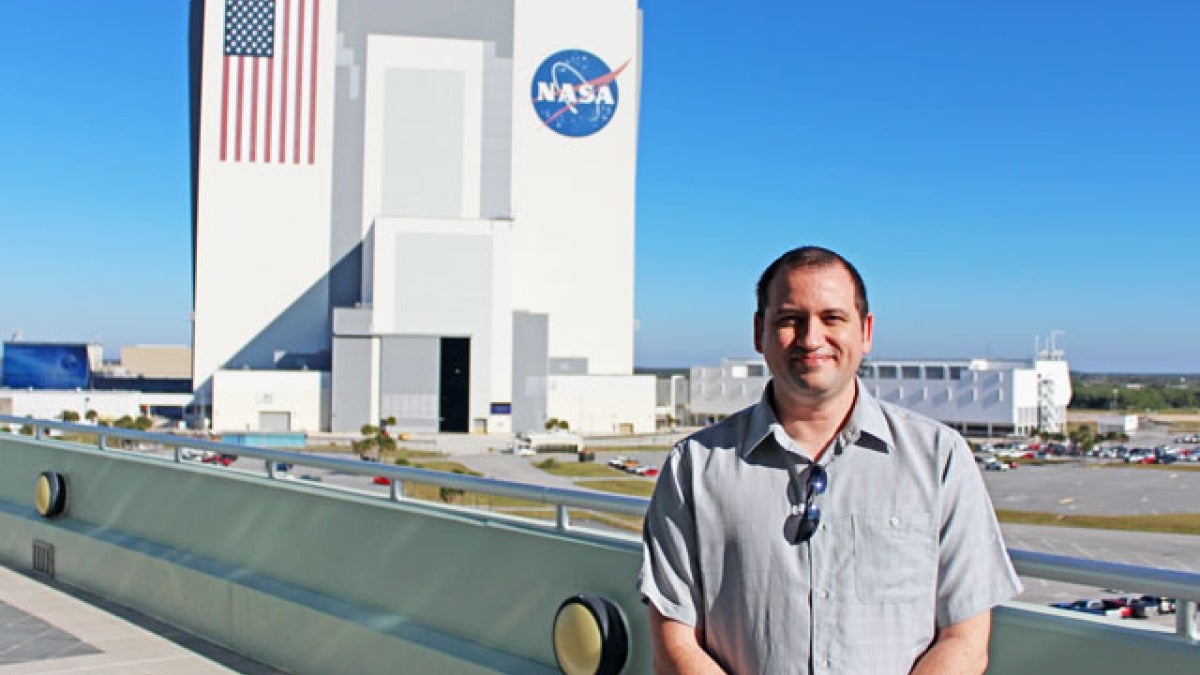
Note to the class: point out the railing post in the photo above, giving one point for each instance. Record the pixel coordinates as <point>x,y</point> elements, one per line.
<point>270,469</point>
<point>37,433</point>
<point>178,453</point>
<point>102,441</point>
<point>396,491</point>
<point>562,517</point>
<point>1185,620</point>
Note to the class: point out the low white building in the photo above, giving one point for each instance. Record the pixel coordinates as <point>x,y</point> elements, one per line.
<point>1122,424</point>
<point>597,404</point>
<point>109,405</point>
<point>976,396</point>
<point>270,400</point>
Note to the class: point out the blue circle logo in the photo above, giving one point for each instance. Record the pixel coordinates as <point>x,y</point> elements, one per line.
<point>575,92</point>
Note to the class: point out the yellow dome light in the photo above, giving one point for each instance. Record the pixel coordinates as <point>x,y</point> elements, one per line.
<point>590,637</point>
<point>50,494</point>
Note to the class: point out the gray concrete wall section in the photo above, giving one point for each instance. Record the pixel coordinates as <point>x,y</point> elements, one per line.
<point>531,347</point>
<point>307,579</point>
<point>488,20</point>
<point>423,143</point>
<point>408,381</point>
<point>351,399</point>
<point>495,198</point>
<point>570,365</point>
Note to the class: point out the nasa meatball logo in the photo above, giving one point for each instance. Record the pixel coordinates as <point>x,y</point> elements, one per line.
<point>575,92</point>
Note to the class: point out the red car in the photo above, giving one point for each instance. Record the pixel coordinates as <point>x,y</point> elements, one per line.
<point>223,460</point>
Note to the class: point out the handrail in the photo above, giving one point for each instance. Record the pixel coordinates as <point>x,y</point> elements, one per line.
<point>581,499</point>
<point>1183,586</point>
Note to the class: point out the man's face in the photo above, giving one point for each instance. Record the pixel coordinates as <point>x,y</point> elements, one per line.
<point>811,334</point>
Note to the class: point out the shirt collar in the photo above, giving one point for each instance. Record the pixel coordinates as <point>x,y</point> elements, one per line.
<point>866,427</point>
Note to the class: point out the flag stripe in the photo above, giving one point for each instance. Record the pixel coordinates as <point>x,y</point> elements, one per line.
<point>237,147</point>
<point>254,108</point>
<point>270,91</point>
<point>312,87</point>
<point>299,81</point>
<point>283,82</point>
<point>224,105</point>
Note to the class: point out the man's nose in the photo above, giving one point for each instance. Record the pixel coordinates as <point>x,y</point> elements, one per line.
<point>809,334</point>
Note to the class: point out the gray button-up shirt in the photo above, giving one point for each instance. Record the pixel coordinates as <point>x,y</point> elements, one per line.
<point>908,542</point>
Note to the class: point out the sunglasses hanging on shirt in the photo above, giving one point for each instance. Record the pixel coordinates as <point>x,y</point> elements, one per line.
<point>805,516</point>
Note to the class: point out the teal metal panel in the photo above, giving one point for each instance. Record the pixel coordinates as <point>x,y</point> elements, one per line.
<point>472,589</point>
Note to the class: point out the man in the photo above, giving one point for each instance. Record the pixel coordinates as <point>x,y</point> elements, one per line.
<point>821,530</point>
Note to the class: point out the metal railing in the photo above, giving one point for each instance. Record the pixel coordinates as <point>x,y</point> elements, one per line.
<point>562,499</point>
<point>1184,587</point>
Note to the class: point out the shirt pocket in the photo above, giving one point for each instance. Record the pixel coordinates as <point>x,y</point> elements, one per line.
<point>895,557</point>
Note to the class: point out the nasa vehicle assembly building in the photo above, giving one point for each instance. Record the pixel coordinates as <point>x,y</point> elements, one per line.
<point>415,209</point>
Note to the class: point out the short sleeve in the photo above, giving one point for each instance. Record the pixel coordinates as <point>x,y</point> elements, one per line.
<point>670,578</point>
<point>974,571</point>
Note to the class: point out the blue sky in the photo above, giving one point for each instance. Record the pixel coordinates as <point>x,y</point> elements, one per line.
<point>996,171</point>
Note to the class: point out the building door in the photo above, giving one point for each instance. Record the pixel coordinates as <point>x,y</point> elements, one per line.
<point>455,385</point>
<point>274,421</point>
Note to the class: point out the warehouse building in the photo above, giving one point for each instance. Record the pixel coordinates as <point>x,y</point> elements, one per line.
<point>416,209</point>
<point>979,397</point>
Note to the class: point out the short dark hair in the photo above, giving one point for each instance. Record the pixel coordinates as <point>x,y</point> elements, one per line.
<point>808,257</point>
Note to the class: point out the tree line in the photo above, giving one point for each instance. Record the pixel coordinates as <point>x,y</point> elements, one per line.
<point>1088,396</point>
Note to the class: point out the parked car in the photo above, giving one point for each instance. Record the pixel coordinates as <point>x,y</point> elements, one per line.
<point>996,465</point>
<point>649,471</point>
<point>222,459</point>
<point>196,455</point>
<point>1088,606</point>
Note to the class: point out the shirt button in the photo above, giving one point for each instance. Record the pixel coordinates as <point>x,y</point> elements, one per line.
<point>828,663</point>
<point>825,593</point>
<point>894,521</point>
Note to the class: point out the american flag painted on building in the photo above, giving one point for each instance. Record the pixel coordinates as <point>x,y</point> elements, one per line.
<point>269,81</point>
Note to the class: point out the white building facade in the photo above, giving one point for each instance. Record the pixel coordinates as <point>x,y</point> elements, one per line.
<point>982,397</point>
<point>431,202</point>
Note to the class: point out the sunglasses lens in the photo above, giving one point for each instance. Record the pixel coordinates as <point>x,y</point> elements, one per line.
<point>808,524</point>
<point>818,480</point>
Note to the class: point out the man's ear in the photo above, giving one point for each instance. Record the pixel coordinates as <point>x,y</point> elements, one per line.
<point>758,332</point>
<point>868,332</point>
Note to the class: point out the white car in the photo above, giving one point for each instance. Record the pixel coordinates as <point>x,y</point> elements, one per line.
<point>994,465</point>
<point>196,455</point>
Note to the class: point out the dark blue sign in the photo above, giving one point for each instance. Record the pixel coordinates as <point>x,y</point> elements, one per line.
<point>575,93</point>
<point>45,366</point>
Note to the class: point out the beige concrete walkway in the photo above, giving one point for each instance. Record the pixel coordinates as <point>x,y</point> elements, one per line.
<point>46,627</point>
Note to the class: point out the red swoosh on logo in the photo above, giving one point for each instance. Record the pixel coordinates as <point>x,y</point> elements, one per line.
<point>596,82</point>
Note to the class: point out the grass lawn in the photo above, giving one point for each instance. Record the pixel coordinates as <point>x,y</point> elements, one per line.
<point>637,488</point>
<point>1172,523</point>
<point>577,469</point>
<point>444,465</point>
